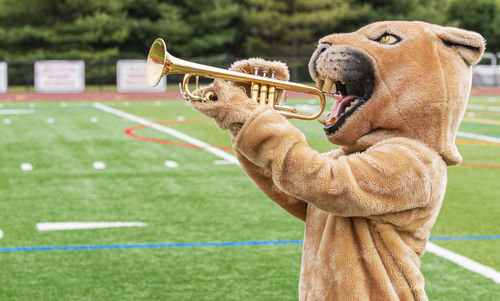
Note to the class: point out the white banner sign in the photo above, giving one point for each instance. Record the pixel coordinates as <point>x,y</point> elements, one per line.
<point>59,76</point>
<point>3,77</point>
<point>131,77</point>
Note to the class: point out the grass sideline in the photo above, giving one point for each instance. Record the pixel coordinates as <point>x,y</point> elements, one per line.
<point>197,202</point>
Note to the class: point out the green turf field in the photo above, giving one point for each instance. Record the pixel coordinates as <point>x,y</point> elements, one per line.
<point>202,200</point>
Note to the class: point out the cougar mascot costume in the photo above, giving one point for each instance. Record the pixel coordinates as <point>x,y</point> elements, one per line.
<point>368,207</point>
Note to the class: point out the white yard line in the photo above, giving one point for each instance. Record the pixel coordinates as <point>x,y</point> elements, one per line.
<point>478,137</point>
<point>482,107</point>
<point>442,252</point>
<point>85,225</point>
<point>219,153</point>
<point>16,111</point>
<point>465,262</point>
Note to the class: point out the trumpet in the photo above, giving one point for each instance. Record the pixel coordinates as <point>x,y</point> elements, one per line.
<point>263,90</point>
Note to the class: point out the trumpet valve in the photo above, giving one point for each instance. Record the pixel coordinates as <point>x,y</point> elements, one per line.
<point>254,92</point>
<point>272,92</point>
<point>263,94</point>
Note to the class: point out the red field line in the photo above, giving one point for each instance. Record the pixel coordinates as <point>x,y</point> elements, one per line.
<point>485,91</point>
<point>130,132</point>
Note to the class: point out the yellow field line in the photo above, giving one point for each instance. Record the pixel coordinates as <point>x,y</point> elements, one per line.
<point>480,120</point>
<point>476,142</point>
<point>481,165</point>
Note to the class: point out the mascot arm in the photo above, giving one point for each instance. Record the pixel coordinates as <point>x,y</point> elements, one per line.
<point>230,111</point>
<point>392,176</point>
<point>263,180</point>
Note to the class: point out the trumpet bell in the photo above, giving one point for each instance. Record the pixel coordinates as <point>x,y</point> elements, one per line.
<point>158,60</point>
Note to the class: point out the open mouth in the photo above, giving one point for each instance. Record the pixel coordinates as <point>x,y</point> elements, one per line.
<point>350,96</point>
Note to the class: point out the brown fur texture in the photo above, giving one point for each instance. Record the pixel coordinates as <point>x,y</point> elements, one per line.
<point>369,206</point>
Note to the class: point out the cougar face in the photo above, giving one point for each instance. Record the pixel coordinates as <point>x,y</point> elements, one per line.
<point>350,64</point>
<point>396,78</point>
<point>350,69</point>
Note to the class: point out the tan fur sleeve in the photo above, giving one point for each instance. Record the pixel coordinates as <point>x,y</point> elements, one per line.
<point>262,179</point>
<point>392,176</point>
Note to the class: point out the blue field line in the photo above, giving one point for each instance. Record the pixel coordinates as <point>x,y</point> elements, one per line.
<point>477,237</point>
<point>154,245</point>
<point>202,244</point>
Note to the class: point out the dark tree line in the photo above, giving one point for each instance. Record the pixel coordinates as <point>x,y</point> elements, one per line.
<point>97,29</point>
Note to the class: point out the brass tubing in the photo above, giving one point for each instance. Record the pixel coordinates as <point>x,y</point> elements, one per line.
<point>160,62</point>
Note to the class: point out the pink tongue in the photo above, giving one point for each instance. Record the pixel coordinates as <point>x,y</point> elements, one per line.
<point>337,108</point>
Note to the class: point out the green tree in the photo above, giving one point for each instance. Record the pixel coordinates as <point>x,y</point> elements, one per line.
<point>432,11</point>
<point>482,16</point>
<point>53,29</point>
<point>96,29</point>
<point>292,27</point>
<point>191,28</point>
<point>150,19</point>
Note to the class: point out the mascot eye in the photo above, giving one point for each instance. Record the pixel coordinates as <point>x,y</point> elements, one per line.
<point>323,46</point>
<point>388,39</point>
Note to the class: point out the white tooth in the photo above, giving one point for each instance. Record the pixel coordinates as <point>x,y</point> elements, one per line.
<point>319,83</point>
<point>328,85</point>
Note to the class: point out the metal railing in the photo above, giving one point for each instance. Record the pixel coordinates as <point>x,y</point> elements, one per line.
<point>487,72</point>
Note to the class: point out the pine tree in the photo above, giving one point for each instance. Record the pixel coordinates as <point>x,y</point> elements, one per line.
<point>52,29</point>
<point>191,28</point>
<point>482,16</point>
<point>292,27</point>
<point>432,11</point>
<point>95,29</point>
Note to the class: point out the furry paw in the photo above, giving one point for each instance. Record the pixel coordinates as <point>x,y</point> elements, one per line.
<point>279,69</point>
<point>204,91</point>
<point>229,104</point>
<point>230,110</point>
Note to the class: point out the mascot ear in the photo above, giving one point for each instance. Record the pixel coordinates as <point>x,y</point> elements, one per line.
<point>469,45</point>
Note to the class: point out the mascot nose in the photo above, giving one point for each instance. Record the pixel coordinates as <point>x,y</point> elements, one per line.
<point>322,47</point>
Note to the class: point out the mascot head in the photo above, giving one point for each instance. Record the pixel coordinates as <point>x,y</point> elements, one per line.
<point>397,79</point>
